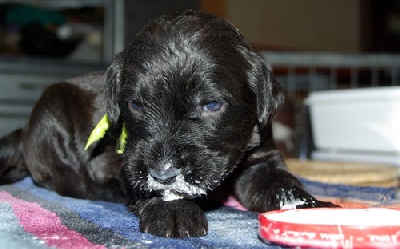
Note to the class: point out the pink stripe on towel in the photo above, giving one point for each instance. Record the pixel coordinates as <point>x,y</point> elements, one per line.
<point>233,202</point>
<point>46,225</point>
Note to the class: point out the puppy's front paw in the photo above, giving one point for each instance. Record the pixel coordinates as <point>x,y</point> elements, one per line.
<point>313,203</point>
<point>179,218</point>
<point>300,199</point>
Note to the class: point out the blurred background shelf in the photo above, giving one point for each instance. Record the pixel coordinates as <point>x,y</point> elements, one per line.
<point>47,41</point>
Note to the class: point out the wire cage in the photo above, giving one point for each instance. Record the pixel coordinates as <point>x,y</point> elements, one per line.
<point>301,73</point>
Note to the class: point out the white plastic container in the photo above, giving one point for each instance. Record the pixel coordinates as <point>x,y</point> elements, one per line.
<point>357,124</point>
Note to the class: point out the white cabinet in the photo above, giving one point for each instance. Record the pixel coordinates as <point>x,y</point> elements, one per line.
<point>23,80</point>
<point>18,93</point>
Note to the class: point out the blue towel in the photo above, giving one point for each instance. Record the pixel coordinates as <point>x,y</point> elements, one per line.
<point>33,217</point>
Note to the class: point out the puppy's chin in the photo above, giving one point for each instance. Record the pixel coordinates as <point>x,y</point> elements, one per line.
<point>177,190</point>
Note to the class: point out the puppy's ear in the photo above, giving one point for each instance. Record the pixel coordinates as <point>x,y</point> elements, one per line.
<point>269,93</point>
<point>112,88</point>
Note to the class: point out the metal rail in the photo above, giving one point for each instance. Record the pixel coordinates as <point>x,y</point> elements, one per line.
<point>309,71</point>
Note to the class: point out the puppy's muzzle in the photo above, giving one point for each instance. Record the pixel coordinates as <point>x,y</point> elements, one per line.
<point>166,175</point>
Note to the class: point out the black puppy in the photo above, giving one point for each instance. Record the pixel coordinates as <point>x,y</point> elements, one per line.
<point>196,103</point>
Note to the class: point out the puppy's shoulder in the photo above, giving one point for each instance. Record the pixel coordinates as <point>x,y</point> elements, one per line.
<point>93,81</point>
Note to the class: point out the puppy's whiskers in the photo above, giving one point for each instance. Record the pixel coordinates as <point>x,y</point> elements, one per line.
<point>176,190</point>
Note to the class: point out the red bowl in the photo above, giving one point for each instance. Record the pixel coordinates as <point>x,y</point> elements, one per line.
<point>332,228</point>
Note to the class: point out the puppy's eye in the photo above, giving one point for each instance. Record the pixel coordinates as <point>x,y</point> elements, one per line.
<point>134,106</point>
<point>213,106</point>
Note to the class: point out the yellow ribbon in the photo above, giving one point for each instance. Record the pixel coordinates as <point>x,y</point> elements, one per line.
<point>99,131</point>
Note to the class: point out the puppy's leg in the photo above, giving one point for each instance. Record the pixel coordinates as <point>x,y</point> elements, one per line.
<point>268,185</point>
<point>51,142</point>
<point>176,218</point>
<point>54,141</point>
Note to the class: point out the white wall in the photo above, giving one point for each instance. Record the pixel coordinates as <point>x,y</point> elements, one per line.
<point>319,25</point>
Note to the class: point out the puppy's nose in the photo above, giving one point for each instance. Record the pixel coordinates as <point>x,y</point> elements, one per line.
<point>165,176</point>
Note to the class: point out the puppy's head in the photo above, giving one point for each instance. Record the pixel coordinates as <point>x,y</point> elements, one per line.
<point>191,93</point>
